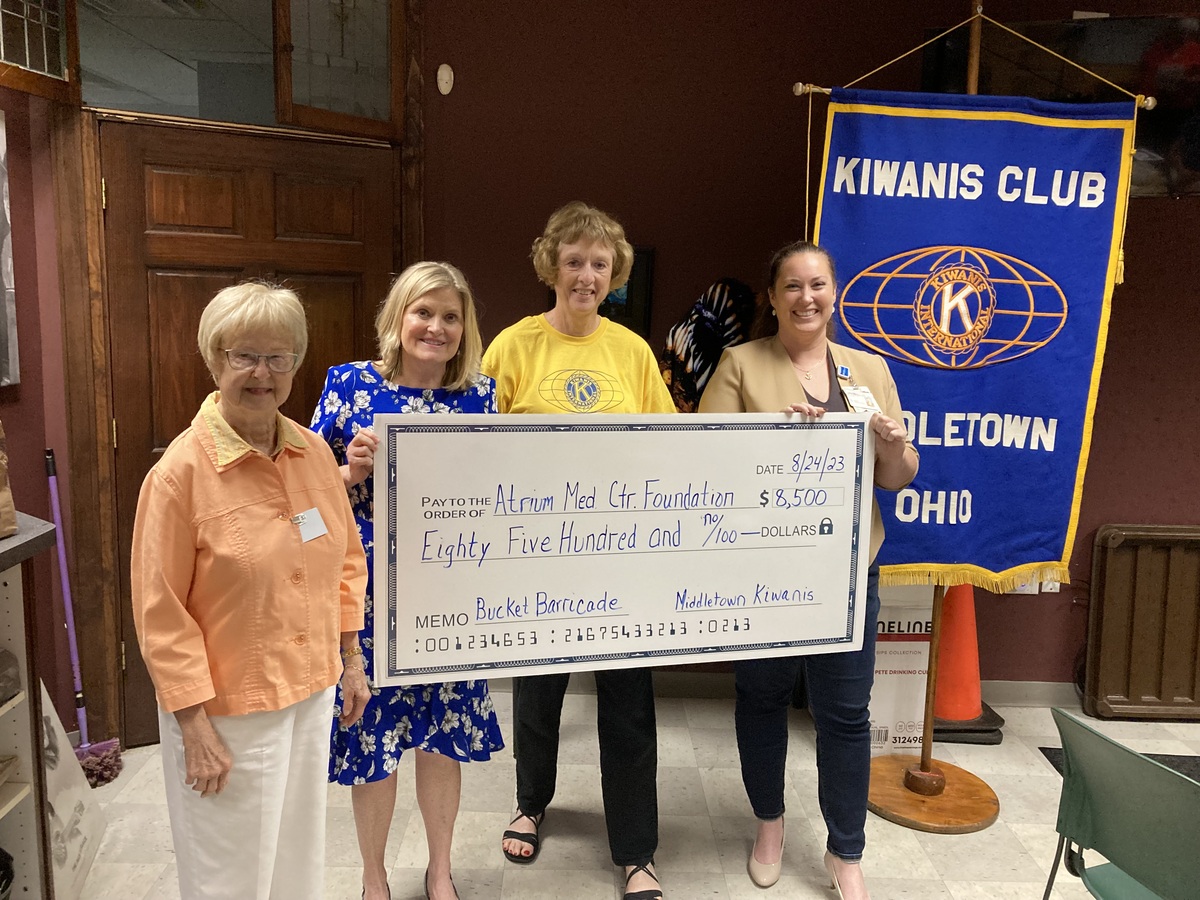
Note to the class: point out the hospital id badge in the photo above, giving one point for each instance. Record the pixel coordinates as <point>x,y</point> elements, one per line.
<point>860,399</point>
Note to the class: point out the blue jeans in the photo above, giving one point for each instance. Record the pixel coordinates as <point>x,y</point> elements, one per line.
<point>839,691</point>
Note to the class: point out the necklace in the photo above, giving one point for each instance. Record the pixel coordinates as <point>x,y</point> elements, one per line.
<point>807,373</point>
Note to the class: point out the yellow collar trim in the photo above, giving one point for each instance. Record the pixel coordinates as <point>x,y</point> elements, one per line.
<point>231,446</point>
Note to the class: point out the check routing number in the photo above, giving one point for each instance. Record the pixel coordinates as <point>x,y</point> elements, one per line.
<point>523,545</point>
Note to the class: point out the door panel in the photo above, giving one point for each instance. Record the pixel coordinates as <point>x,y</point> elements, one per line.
<point>330,333</point>
<point>189,212</point>
<point>194,201</point>
<point>175,299</point>
<point>311,209</point>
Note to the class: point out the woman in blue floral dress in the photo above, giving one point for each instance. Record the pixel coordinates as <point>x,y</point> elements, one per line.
<point>430,351</point>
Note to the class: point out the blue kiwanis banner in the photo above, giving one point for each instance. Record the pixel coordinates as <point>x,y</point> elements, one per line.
<point>977,243</point>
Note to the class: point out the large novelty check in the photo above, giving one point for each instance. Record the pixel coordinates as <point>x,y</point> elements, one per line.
<point>523,545</point>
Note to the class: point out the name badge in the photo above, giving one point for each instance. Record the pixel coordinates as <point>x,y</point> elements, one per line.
<point>860,399</point>
<point>311,524</point>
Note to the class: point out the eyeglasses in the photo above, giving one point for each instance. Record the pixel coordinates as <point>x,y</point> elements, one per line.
<point>279,363</point>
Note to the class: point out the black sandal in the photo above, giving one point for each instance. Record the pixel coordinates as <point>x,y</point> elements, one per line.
<point>533,838</point>
<point>650,893</point>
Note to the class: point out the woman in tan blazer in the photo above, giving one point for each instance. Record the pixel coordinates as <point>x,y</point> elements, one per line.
<point>797,368</point>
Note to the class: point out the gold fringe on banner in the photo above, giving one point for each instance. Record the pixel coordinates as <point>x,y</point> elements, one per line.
<point>996,582</point>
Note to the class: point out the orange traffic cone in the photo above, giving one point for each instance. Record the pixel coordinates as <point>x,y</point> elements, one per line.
<point>960,715</point>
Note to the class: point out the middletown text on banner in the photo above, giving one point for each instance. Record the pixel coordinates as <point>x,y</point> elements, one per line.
<point>977,243</point>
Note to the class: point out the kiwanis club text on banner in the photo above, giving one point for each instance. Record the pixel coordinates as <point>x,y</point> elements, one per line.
<point>976,240</point>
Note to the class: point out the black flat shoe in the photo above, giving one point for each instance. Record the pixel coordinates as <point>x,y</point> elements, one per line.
<point>648,894</point>
<point>532,838</point>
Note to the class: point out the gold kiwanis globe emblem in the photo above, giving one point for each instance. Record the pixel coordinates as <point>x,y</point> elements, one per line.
<point>953,307</point>
<point>581,390</point>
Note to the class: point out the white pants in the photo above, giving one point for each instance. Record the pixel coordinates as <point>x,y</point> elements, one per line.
<point>263,837</point>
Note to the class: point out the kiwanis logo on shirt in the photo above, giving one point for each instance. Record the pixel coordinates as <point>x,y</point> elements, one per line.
<point>953,307</point>
<point>581,391</point>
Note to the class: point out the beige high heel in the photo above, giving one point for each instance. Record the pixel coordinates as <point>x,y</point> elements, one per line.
<point>765,874</point>
<point>833,881</point>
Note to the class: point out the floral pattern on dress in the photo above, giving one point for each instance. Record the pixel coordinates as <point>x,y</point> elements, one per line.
<point>454,718</point>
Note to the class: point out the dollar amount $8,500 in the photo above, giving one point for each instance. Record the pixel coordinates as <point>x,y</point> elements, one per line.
<point>798,498</point>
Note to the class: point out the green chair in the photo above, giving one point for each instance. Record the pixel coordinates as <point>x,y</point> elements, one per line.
<point>1143,817</point>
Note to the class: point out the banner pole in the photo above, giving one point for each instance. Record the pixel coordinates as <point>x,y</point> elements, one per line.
<point>944,799</point>
<point>924,779</point>
<point>973,51</point>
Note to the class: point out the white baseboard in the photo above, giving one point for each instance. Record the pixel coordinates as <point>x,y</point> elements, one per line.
<point>1029,693</point>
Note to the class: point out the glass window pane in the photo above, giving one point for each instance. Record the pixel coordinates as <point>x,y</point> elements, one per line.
<point>13,28</point>
<point>340,60</point>
<point>30,35</point>
<point>54,50</point>
<point>37,49</point>
<point>213,62</point>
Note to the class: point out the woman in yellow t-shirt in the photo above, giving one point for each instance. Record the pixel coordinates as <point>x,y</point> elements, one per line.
<point>572,360</point>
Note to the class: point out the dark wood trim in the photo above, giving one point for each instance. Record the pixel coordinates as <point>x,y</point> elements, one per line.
<point>397,42</point>
<point>74,73</point>
<point>75,152</point>
<point>410,222</point>
<point>18,79</point>
<point>289,112</point>
<point>281,11</point>
<point>339,122</point>
<point>135,118</point>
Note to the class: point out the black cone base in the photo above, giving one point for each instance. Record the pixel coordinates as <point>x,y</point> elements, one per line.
<point>982,730</point>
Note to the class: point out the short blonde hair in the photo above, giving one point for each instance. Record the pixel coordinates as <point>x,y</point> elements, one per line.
<point>572,223</point>
<point>250,306</point>
<point>410,286</point>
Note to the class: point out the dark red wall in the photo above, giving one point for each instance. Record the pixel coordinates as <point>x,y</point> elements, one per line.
<point>679,119</point>
<point>25,408</point>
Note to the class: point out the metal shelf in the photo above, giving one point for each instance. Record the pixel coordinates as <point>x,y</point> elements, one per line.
<point>13,703</point>
<point>12,793</point>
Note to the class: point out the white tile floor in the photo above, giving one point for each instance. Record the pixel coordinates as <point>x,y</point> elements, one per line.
<point>706,826</point>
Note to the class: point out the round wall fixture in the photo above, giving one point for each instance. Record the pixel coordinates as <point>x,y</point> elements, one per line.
<point>445,78</point>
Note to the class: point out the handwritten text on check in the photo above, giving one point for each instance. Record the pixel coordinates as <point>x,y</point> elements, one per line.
<point>521,545</point>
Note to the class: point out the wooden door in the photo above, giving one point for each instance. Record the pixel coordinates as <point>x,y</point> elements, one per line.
<point>188,212</point>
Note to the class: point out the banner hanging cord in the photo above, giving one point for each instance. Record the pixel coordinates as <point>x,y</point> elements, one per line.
<point>1148,102</point>
<point>1140,102</point>
<point>1072,62</point>
<point>913,50</point>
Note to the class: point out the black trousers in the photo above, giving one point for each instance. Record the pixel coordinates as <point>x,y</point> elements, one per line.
<point>628,754</point>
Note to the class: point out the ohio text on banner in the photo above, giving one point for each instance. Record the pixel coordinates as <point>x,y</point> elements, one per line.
<point>522,545</point>
<point>976,240</point>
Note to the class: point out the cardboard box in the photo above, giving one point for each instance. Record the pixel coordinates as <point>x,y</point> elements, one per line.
<point>901,660</point>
